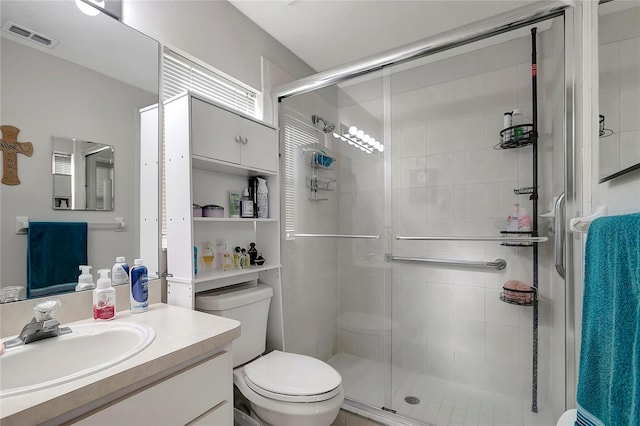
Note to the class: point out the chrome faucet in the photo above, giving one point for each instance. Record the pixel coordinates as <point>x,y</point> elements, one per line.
<point>41,326</point>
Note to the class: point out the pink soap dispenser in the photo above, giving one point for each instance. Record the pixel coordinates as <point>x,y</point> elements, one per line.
<point>104,297</point>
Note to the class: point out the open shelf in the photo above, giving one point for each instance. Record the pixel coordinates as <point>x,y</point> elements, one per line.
<point>508,141</point>
<point>219,274</point>
<point>205,163</point>
<point>232,219</point>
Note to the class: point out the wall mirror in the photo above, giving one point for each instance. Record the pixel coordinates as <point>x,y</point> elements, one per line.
<point>82,174</point>
<point>619,71</point>
<point>67,75</point>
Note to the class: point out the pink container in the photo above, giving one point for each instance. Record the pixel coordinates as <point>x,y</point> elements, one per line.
<point>197,210</point>
<point>212,210</point>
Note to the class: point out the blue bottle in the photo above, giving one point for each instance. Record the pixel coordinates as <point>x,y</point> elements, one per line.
<point>139,296</point>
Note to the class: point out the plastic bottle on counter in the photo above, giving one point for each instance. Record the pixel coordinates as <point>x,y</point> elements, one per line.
<point>120,272</point>
<point>524,220</point>
<point>516,120</point>
<point>104,297</point>
<point>139,291</point>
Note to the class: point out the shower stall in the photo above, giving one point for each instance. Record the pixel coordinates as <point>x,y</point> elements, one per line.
<point>397,188</point>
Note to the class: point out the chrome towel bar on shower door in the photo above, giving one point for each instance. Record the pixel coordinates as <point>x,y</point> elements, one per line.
<point>370,237</point>
<point>498,264</point>
<point>472,238</point>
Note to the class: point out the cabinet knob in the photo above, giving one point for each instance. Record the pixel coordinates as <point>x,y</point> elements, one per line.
<point>245,141</point>
<point>238,139</point>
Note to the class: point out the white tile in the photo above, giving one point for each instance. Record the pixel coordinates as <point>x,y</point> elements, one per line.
<point>629,148</point>
<point>414,295</point>
<point>467,95</point>
<point>440,300</point>
<point>499,89</point>
<point>629,107</point>
<point>466,132</point>
<point>439,169</point>
<point>630,63</point>
<point>440,332</point>
<point>469,337</point>
<point>500,165</point>
<point>469,167</point>
<point>414,357</point>
<point>497,311</point>
<point>439,201</point>
<point>469,368</point>
<point>500,340</point>
<point>609,67</point>
<point>414,327</point>
<point>440,362</point>
<point>469,303</point>
<point>439,136</point>
<point>469,200</point>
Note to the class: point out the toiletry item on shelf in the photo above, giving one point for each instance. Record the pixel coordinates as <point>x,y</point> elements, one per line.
<point>234,204</point>
<point>246,260</point>
<point>220,250</point>
<point>260,260</point>
<point>139,291</point>
<point>516,119</point>
<point>227,261</point>
<point>253,194</point>
<point>512,219</point>
<point>104,297</point>
<point>85,280</point>
<point>246,205</point>
<point>195,260</point>
<point>236,257</point>
<point>197,210</point>
<point>263,198</point>
<point>207,254</point>
<point>507,120</point>
<point>524,220</point>
<point>120,272</point>
<point>212,210</point>
<point>253,253</point>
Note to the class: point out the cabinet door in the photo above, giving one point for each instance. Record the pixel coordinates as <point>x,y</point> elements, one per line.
<point>215,133</point>
<point>259,146</point>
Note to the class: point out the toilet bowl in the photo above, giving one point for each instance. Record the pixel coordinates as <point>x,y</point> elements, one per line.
<point>568,418</point>
<point>283,389</point>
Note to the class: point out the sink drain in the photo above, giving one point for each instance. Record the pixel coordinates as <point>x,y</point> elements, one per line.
<point>412,400</point>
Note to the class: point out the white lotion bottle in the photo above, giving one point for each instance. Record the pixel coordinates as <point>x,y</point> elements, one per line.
<point>120,272</point>
<point>263,198</point>
<point>104,297</point>
<point>85,280</point>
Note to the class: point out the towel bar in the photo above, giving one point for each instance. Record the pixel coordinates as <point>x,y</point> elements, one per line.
<point>498,264</point>
<point>22,225</point>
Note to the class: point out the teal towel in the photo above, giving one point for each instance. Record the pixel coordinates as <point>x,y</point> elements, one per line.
<point>609,375</point>
<point>54,252</point>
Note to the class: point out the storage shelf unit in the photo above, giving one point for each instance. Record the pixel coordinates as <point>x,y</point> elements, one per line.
<point>210,151</point>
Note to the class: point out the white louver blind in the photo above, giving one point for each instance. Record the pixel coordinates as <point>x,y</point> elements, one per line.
<point>61,164</point>
<point>296,135</point>
<point>181,74</point>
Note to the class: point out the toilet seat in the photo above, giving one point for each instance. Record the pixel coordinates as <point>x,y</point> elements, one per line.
<point>292,378</point>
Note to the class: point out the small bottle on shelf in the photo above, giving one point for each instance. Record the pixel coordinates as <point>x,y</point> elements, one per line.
<point>516,120</point>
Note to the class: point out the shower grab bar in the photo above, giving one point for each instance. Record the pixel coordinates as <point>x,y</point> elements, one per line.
<point>559,238</point>
<point>369,237</point>
<point>502,239</point>
<point>498,264</point>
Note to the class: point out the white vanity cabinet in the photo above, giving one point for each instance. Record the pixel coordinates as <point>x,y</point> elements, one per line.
<point>198,394</point>
<point>226,136</point>
<point>210,151</point>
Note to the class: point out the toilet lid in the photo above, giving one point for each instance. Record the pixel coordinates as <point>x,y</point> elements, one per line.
<point>292,377</point>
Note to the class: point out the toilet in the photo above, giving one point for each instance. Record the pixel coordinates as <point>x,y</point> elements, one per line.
<point>283,389</point>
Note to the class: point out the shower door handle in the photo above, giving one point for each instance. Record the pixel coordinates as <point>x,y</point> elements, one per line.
<point>559,235</point>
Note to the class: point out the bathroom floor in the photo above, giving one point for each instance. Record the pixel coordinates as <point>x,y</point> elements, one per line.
<point>442,402</point>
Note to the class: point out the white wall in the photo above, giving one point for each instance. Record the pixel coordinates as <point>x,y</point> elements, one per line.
<point>45,96</point>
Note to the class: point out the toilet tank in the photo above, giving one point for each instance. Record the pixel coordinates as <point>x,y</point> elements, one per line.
<point>247,304</point>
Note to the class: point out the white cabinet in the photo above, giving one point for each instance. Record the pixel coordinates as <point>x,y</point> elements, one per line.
<point>206,157</point>
<point>226,136</point>
<point>198,394</point>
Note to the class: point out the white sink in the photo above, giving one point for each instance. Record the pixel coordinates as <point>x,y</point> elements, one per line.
<point>89,348</point>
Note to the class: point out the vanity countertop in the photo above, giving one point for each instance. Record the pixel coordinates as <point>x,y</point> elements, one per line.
<point>181,336</point>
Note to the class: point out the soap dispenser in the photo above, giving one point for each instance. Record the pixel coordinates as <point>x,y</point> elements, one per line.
<point>104,297</point>
<point>85,280</point>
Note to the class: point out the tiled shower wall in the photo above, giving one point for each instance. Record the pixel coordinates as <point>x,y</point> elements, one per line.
<point>447,179</point>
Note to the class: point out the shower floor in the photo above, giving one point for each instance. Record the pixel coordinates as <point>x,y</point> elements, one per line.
<point>442,402</point>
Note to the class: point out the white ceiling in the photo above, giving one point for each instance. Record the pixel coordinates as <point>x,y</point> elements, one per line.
<point>330,33</point>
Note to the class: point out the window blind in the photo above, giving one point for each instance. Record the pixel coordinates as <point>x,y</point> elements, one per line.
<point>297,134</point>
<point>61,163</point>
<point>180,74</point>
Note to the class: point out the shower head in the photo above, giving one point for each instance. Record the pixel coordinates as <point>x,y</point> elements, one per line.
<point>327,128</point>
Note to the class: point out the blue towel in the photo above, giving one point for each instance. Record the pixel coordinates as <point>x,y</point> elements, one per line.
<point>54,252</point>
<point>609,376</point>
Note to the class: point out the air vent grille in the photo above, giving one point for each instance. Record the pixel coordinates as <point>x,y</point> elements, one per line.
<point>26,33</point>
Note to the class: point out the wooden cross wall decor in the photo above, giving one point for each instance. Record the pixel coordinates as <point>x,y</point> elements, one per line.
<point>10,148</point>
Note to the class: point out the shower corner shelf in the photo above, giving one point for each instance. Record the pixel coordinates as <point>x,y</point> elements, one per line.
<point>519,297</point>
<point>516,244</point>
<point>524,190</point>
<point>508,142</point>
<point>318,183</point>
<point>319,159</point>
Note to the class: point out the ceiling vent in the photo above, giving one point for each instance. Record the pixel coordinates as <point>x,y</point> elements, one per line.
<point>26,33</point>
